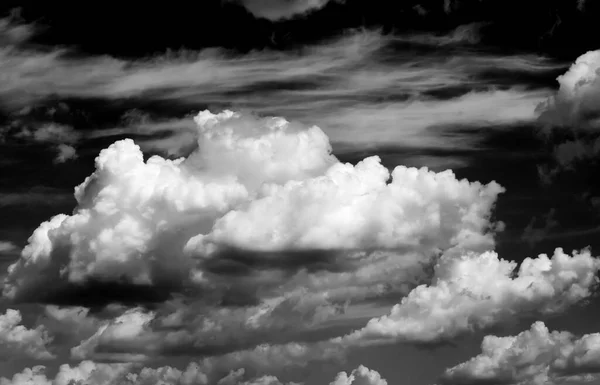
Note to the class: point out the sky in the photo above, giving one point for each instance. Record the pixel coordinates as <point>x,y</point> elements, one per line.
<point>247,192</point>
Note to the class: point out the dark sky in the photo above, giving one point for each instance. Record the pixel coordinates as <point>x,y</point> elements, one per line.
<point>558,27</point>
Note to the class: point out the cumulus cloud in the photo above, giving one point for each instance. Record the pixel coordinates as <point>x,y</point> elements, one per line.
<point>276,10</point>
<point>535,356</point>
<point>156,222</point>
<point>574,107</point>
<point>86,372</point>
<point>92,373</point>
<point>355,207</point>
<point>18,341</point>
<point>359,376</point>
<point>575,103</point>
<point>475,291</point>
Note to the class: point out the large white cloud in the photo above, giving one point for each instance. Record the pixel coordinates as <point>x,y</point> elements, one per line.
<point>534,356</point>
<point>16,340</point>
<point>254,183</point>
<point>480,290</point>
<point>133,215</point>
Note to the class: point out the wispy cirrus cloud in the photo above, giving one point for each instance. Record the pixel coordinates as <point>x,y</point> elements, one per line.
<point>357,87</point>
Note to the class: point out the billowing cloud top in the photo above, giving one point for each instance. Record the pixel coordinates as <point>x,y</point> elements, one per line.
<point>257,184</point>
<point>480,290</point>
<point>576,102</point>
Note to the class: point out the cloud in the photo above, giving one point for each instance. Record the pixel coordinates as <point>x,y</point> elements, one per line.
<point>121,331</point>
<point>352,86</point>
<point>224,337</point>
<point>575,103</point>
<point>461,35</point>
<point>476,291</point>
<point>355,207</point>
<point>37,195</point>
<point>69,325</point>
<point>535,356</point>
<point>13,32</point>
<point>276,10</point>
<point>207,76</point>
<point>86,372</point>
<point>574,107</point>
<point>93,373</point>
<point>117,218</point>
<point>18,341</point>
<point>359,376</point>
<point>65,153</point>
<point>155,223</point>
<point>7,247</point>
<point>573,151</point>
<point>61,137</point>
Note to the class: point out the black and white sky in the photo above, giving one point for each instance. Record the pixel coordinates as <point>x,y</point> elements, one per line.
<point>317,192</point>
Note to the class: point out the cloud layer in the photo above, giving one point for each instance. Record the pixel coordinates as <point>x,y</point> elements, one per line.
<point>92,373</point>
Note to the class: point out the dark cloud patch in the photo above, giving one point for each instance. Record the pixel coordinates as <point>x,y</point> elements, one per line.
<point>559,27</point>
<point>97,294</point>
<point>238,262</point>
